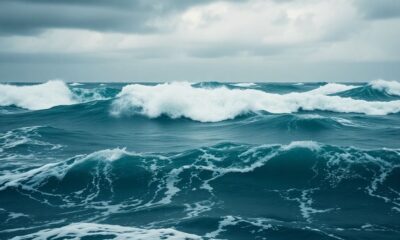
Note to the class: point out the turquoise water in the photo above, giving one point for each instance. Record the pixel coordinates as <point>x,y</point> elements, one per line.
<point>200,161</point>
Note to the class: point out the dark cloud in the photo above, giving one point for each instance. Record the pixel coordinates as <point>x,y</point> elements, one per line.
<point>27,17</point>
<point>379,9</point>
<point>24,18</point>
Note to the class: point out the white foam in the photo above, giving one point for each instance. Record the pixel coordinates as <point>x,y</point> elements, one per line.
<point>332,88</point>
<point>197,208</point>
<point>36,97</point>
<point>226,221</point>
<point>75,84</point>
<point>390,87</point>
<point>180,99</point>
<point>310,116</point>
<point>244,84</point>
<point>311,145</point>
<point>345,122</point>
<point>36,176</point>
<point>81,230</point>
<point>107,154</point>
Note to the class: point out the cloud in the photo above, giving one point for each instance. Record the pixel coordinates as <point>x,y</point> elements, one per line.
<point>30,17</point>
<point>376,42</point>
<point>276,33</point>
<point>382,9</point>
<point>212,30</point>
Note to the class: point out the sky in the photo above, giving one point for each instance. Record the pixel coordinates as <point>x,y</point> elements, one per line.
<point>188,40</point>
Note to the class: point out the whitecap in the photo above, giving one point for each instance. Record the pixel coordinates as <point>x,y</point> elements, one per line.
<point>75,84</point>
<point>47,95</point>
<point>311,145</point>
<point>36,97</point>
<point>390,87</point>
<point>244,84</point>
<point>180,99</point>
<point>332,88</point>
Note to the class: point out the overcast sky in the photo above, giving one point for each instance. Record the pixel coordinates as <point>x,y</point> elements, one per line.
<point>166,40</point>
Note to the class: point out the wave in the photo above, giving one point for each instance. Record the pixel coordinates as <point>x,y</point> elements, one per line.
<point>294,182</point>
<point>26,143</point>
<point>74,84</point>
<point>245,85</point>
<point>35,97</point>
<point>390,87</point>
<point>49,94</point>
<point>180,99</point>
<point>83,95</point>
<point>105,173</point>
<point>204,102</point>
<point>107,231</point>
<point>308,122</point>
<point>23,136</point>
<point>379,90</point>
<point>331,88</point>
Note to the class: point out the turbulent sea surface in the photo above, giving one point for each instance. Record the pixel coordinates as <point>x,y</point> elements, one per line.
<point>200,160</point>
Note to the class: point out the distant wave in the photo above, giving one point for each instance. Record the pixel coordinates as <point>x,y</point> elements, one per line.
<point>379,90</point>
<point>310,122</point>
<point>180,99</point>
<point>206,102</point>
<point>75,84</point>
<point>390,87</point>
<point>47,95</point>
<point>244,84</point>
<point>36,97</point>
<point>331,88</point>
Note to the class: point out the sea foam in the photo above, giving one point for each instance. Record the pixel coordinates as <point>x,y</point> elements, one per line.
<point>332,88</point>
<point>180,99</point>
<point>36,97</point>
<point>87,230</point>
<point>244,84</point>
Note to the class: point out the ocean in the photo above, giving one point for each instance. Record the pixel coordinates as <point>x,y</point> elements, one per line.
<point>205,160</point>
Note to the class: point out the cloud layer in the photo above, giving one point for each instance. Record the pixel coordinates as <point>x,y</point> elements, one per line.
<point>273,33</point>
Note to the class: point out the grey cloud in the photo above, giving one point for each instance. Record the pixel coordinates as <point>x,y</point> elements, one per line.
<point>30,18</point>
<point>27,17</point>
<point>379,9</point>
<point>232,50</point>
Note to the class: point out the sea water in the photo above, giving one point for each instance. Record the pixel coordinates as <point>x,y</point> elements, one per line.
<point>204,160</point>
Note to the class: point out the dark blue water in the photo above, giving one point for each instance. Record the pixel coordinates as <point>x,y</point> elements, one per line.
<point>200,161</point>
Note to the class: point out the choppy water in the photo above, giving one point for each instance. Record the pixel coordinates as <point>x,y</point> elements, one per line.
<point>200,161</point>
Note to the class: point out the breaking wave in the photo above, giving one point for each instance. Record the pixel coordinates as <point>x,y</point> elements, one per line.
<point>331,88</point>
<point>206,102</point>
<point>47,95</point>
<point>244,84</point>
<point>217,104</point>
<point>36,97</point>
<point>390,87</point>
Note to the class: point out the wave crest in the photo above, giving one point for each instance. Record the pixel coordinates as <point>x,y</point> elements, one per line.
<point>212,105</point>
<point>50,94</point>
<point>332,88</point>
<point>36,97</point>
<point>390,87</point>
